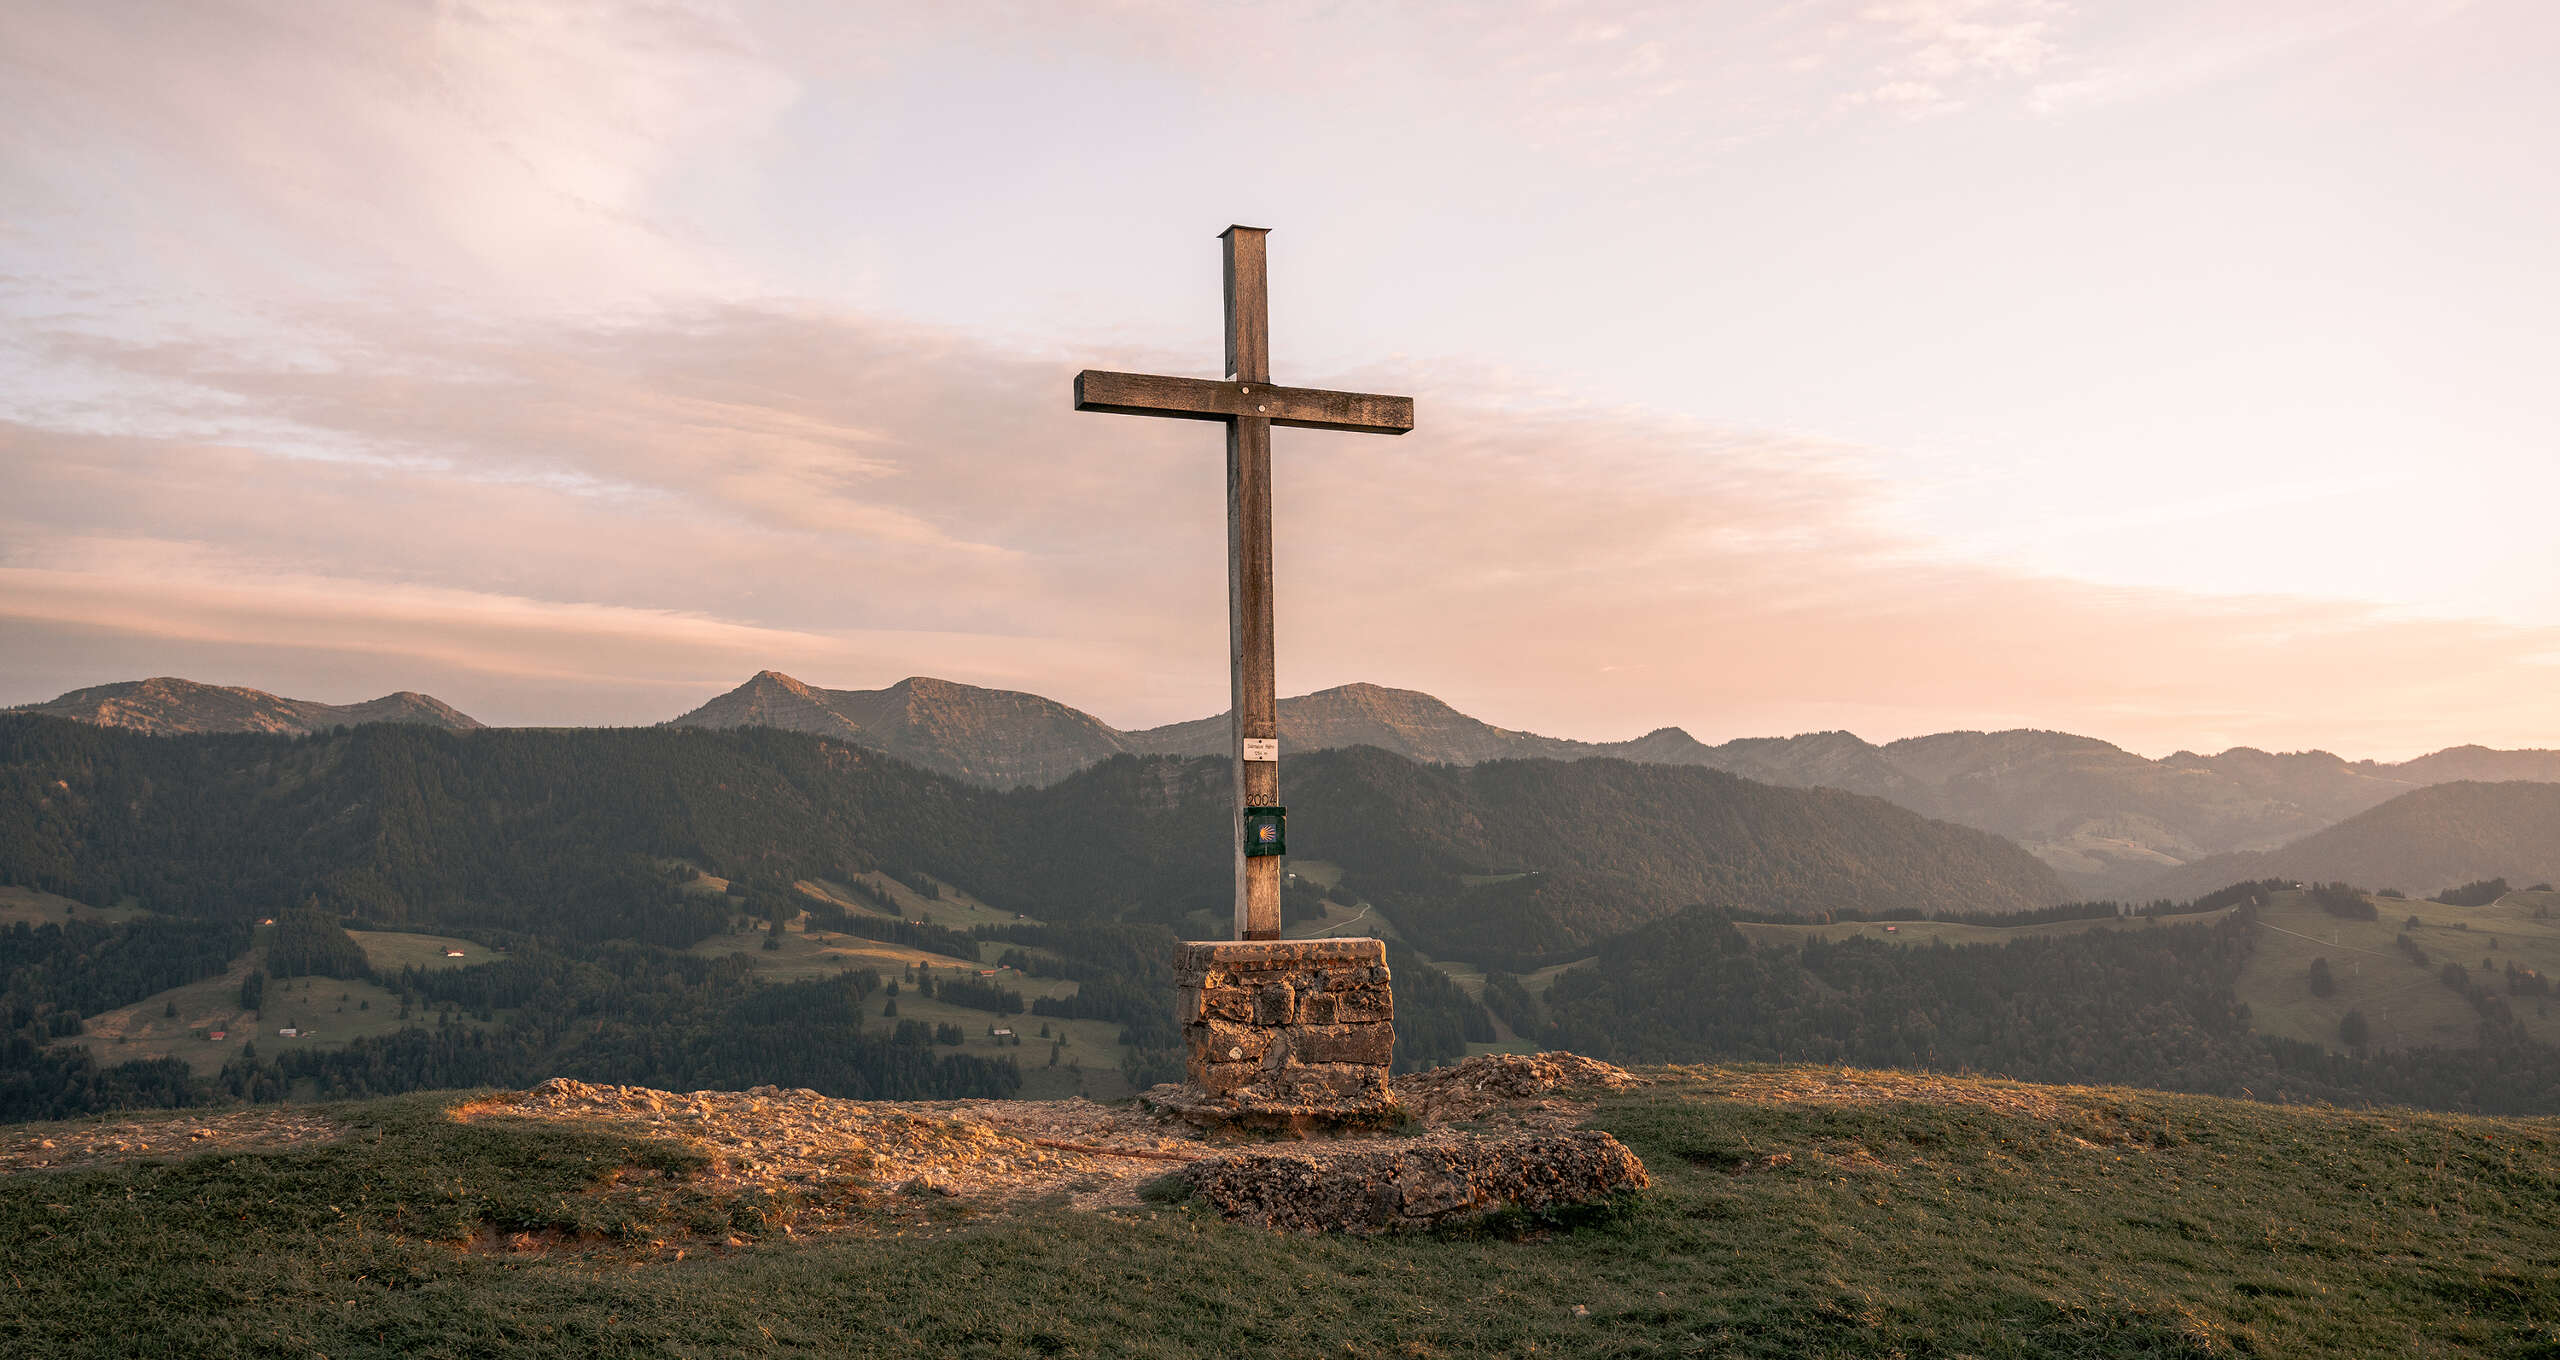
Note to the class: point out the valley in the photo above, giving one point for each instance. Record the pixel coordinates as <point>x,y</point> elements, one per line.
<point>688,905</point>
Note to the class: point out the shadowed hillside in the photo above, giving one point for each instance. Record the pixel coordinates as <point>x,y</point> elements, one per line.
<point>2106,819</point>
<point>1517,863</point>
<point>2419,842</point>
<point>561,832</point>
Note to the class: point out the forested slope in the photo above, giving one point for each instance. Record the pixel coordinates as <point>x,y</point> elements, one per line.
<point>2152,1007</point>
<point>1581,851</point>
<point>562,833</point>
<point>2418,842</point>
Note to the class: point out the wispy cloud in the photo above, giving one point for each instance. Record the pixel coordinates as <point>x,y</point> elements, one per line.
<point>2185,45</point>
<point>865,500</point>
<point>516,148</point>
<point>1929,56</point>
<point>434,344</point>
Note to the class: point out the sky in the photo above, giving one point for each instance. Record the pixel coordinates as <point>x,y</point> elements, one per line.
<point>2174,373</point>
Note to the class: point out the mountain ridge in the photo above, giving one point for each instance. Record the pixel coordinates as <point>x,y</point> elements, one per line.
<point>996,737</point>
<point>166,705</point>
<point>2113,823</point>
<point>2108,820</point>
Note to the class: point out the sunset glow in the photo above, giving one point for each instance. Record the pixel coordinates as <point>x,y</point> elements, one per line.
<point>2174,374</point>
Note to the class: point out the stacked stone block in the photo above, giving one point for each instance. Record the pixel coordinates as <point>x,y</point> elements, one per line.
<point>1288,1023</point>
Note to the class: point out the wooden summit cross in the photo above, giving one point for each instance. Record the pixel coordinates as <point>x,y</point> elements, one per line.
<point>1250,406</point>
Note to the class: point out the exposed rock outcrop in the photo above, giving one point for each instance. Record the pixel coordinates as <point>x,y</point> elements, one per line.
<point>1521,1081</point>
<point>1386,1185</point>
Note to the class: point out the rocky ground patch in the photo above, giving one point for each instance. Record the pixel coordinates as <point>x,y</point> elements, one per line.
<point>837,1159</point>
<point>116,1140</point>
<point>1485,1135</point>
<point>1443,1178</point>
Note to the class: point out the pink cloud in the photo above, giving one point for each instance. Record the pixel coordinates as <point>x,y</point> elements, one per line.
<point>581,522</point>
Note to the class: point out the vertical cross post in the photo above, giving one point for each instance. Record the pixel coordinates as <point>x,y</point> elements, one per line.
<point>1249,405</point>
<point>1255,710</point>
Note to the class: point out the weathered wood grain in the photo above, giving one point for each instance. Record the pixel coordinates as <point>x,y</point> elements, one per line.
<point>1253,682</point>
<point>1254,686</point>
<point>1248,278</point>
<point>1250,405</point>
<point>1301,408</point>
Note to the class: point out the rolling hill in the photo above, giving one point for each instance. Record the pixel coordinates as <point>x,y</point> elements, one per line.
<point>2419,842</point>
<point>168,705</point>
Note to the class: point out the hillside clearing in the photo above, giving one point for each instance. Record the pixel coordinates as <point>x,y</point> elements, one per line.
<point>2405,1000</point>
<point>36,907</point>
<point>389,951</point>
<point>323,1012</point>
<point>1088,1066</point>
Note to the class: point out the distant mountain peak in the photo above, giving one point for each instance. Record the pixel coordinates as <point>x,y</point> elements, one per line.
<point>170,704</point>
<point>1004,738</point>
<point>935,685</point>
<point>1363,689</point>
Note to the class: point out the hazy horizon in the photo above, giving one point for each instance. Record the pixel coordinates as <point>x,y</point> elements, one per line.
<point>2167,375</point>
<point>1707,739</point>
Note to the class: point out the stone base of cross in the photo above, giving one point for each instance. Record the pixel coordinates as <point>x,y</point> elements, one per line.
<point>1292,1035</point>
<point>1278,1024</point>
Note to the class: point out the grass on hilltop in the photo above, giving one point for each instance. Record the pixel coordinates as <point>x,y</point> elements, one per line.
<point>1977,1219</point>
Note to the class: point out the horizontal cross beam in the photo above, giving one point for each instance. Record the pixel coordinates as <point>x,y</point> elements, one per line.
<point>1303,408</point>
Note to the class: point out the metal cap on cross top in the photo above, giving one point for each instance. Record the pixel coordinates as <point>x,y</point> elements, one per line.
<point>1249,404</point>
